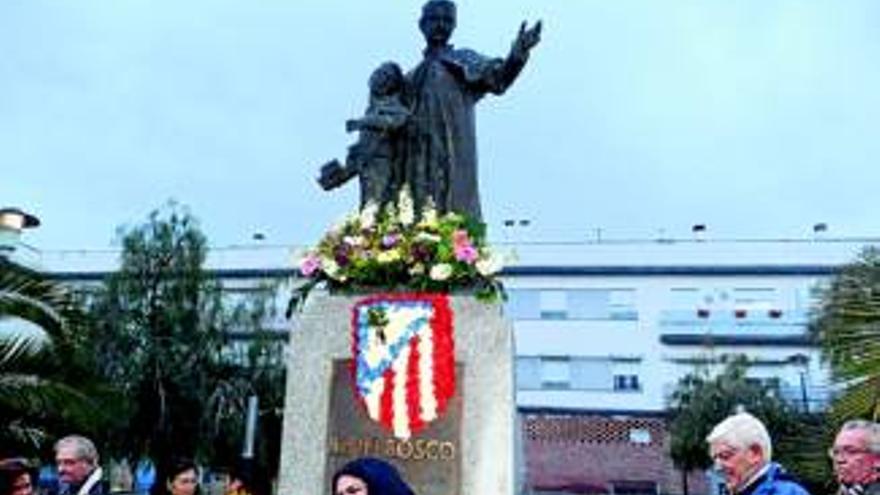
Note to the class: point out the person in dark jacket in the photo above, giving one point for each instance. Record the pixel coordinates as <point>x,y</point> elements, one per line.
<point>369,476</point>
<point>742,451</point>
<point>78,470</point>
<point>856,458</point>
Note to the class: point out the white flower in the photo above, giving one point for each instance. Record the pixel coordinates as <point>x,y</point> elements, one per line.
<point>441,271</point>
<point>388,256</point>
<point>429,214</point>
<point>417,269</point>
<point>330,267</point>
<point>427,236</point>
<point>353,240</point>
<point>368,214</point>
<point>489,265</point>
<point>406,207</point>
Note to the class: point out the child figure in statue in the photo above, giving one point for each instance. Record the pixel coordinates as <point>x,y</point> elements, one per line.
<point>375,155</point>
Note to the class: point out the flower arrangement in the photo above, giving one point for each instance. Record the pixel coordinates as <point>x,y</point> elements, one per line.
<point>391,249</point>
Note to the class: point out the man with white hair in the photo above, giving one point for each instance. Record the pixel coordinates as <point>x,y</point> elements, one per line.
<point>741,449</point>
<point>856,458</point>
<point>78,471</point>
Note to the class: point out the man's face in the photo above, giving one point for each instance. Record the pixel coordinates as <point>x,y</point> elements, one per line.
<point>71,468</point>
<point>853,461</point>
<point>437,23</point>
<point>736,464</point>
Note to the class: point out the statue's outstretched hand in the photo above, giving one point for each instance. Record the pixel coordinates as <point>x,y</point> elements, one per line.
<point>527,38</point>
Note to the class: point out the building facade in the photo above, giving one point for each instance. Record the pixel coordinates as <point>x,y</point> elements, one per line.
<point>603,333</point>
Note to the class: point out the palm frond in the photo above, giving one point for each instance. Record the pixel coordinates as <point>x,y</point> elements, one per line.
<point>847,325</point>
<point>28,295</point>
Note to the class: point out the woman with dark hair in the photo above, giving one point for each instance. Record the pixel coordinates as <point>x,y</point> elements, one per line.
<point>17,477</point>
<point>180,477</point>
<point>369,476</point>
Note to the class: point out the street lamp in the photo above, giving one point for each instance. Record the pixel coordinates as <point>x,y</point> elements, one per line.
<point>12,222</point>
<point>15,219</point>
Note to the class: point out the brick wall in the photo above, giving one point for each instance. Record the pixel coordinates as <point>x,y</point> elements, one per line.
<point>593,454</point>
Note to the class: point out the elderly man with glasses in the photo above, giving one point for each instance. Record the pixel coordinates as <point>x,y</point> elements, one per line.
<point>856,458</point>
<point>741,449</point>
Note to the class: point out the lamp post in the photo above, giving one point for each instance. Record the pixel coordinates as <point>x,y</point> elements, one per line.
<point>12,222</point>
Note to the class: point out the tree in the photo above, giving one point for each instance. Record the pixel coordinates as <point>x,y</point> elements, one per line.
<point>157,336</point>
<point>39,319</point>
<point>701,401</point>
<point>847,325</point>
<point>160,335</point>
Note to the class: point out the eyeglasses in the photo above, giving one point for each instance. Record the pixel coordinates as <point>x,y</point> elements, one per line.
<point>846,451</point>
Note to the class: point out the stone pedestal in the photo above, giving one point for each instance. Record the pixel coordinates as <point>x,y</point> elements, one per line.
<point>485,387</point>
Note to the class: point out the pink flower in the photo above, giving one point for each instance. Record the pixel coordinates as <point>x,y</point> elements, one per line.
<point>466,253</point>
<point>309,265</point>
<point>460,237</point>
<point>464,249</point>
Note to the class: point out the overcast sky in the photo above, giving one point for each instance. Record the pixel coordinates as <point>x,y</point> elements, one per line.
<point>758,118</point>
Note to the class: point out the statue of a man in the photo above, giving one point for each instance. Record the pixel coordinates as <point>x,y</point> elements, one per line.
<point>441,149</point>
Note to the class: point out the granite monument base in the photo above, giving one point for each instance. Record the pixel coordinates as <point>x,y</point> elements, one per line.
<point>468,451</point>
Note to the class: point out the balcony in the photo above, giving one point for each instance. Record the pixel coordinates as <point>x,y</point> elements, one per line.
<point>741,326</point>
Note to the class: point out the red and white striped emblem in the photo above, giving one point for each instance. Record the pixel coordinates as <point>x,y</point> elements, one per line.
<point>404,359</point>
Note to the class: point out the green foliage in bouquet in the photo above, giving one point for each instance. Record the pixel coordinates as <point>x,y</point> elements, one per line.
<point>391,248</point>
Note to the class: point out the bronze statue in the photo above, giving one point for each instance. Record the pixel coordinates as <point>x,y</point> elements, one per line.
<point>427,138</point>
<point>375,157</point>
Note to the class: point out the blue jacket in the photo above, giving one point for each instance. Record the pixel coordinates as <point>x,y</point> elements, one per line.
<point>776,481</point>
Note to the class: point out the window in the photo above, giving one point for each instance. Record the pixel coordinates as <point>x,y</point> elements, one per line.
<point>626,383</point>
<point>523,304</point>
<point>563,373</point>
<point>567,304</point>
<point>590,373</point>
<point>528,373</point>
<point>554,305</point>
<point>555,372</point>
<point>626,374</point>
<point>639,436</point>
<point>622,305</point>
<point>602,304</point>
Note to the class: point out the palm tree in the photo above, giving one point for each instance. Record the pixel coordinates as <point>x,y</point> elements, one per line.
<point>847,324</point>
<point>37,321</point>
